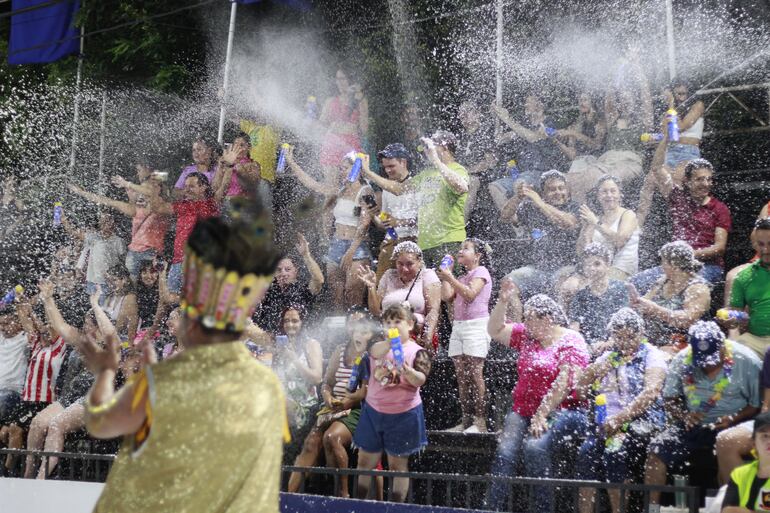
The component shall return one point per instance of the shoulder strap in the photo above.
(412, 286)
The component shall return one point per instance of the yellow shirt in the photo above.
(264, 147)
(214, 442)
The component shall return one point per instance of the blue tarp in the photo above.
(43, 35)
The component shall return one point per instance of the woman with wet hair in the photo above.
(204, 153)
(551, 358)
(469, 342)
(333, 431)
(120, 302)
(630, 376)
(298, 362)
(287, 289)
(410, 282)
(348, 249)
(676, 301)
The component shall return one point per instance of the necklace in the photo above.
(688, 378)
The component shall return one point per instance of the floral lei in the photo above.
(688, 377)
(616, 360)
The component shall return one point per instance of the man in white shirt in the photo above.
(14, 352)
(401, 211)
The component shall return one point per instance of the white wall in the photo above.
(33, 495)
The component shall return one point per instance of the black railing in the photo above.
(426, 488)
(467, 491)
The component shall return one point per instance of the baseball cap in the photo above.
(706, 339)
(394, 151)
(761, 421)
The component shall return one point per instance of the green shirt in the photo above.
(441, 214)
(752, 288)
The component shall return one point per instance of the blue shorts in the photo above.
(677, 153)
(398, 434)
(338, 248)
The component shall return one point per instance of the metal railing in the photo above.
(468, 491)
(72, 466)
(425, 488)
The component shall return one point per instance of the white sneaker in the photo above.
(473, 429)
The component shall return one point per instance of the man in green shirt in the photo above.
(442, 191)
(751, 293)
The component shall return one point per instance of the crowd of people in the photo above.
(622, 369)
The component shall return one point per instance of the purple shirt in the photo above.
(479, 307)
(192, 169)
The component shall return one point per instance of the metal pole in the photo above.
(225, 82)
(102, 134)
(499, 56)
(76, 113)
(670, 40)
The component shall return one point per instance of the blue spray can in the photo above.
(549, 131)
(280, 167)
(355, 171)
(57, 213)
(513, 169)
(649, 138)
(395, 346)
(10, 296)
(672, 124)
(353, 380)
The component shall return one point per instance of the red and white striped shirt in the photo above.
(42, 371)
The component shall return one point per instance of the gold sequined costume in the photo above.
(212, 441)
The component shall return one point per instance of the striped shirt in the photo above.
(341, 378)
(43, 369)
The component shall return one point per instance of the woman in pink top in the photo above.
(469, 342)
(148, 228)
(392, 419)
(410, 282)
(235, 169)
(346, 119)
(549, 363)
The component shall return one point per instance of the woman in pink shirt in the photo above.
(235, 170)
(469, 342)
(148, 228)
(549, 363)
(392, 419)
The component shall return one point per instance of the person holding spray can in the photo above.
(392, 419)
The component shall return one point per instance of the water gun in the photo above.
(280, 167)
(447, 262)
(512, 169)
(353, 380)
(651, 137)
(600, 410)
(11, 295)
(395, 347)
(672, 124)
(311, 108)
(549, 130)
(355, 171)
(723, 314)
(58, 210)
(390, 233)
(537, 234)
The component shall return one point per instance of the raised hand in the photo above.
(367, 276)
(587, 215)
(507, 289)
(98, 359)
(46, 288)
(302, 247)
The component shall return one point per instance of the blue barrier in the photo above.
(300, 503)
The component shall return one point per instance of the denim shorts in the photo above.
(677, 153)
(338, 248)
(675, 445)
(398, 434)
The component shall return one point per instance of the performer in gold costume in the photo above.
(204, 430)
